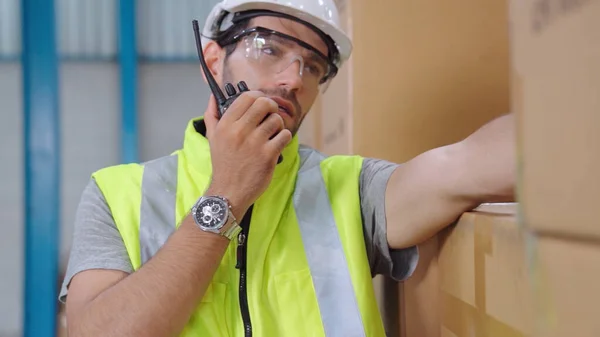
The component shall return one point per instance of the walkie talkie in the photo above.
(222, 102)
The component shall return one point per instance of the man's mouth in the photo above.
(284, 106)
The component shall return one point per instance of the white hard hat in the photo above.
(322, 14)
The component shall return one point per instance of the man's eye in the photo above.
(314, 69)
(269, 50)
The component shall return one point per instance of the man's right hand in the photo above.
(244, 146)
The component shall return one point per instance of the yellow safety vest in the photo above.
(307, 272)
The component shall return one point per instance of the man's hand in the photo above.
(244, 146)
(432, 190)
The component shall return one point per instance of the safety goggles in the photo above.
(273, 52)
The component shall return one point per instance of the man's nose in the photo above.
(291, 76)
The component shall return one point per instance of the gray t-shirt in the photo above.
(97, 243)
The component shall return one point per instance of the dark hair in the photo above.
(235, 29)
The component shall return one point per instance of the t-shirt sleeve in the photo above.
(399, 264)
(97, 243)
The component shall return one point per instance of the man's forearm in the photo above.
(432, 190)
(159, 298)
(489, 156)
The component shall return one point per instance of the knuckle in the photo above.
(252, 94)
(268, 104)
(285, 138)
(280, 122)
(276, 122)
(263, 102)
(248, 97)
(274, 106)
(266, 128)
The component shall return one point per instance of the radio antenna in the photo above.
(212, 83)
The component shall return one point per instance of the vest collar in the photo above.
(197, 151)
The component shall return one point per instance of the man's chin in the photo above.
(293, 131)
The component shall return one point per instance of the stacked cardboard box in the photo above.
(473, 280)
(491, 275)
(556, 94)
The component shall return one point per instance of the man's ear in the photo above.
(213, 58)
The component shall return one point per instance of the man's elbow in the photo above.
(403, 236)
(481, 173)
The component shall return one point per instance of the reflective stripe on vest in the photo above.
(157, 210)
(329, 271)
(324, 251)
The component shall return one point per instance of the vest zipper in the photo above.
(241, 265)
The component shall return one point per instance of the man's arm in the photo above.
(432, 190)
(159, 298)
(156, 300)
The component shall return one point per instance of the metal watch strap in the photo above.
(234, 228)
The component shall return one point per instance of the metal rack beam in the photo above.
(128, 77)
(42, 167)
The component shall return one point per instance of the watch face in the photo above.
(211, 213)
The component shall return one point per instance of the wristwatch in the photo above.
(213, 214)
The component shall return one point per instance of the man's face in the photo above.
(287, 87)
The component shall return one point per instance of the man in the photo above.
(219, 239)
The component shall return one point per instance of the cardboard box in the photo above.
(479, 284)
(334, 113)
(556, 95)
(567, 292)
(439, 72)
(419, 296)
(426, 73)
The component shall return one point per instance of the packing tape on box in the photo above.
(465, 320)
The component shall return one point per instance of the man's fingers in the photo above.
(241, 104)
(260, 109)
(272, 124)
(280, 141)
(211, 116)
